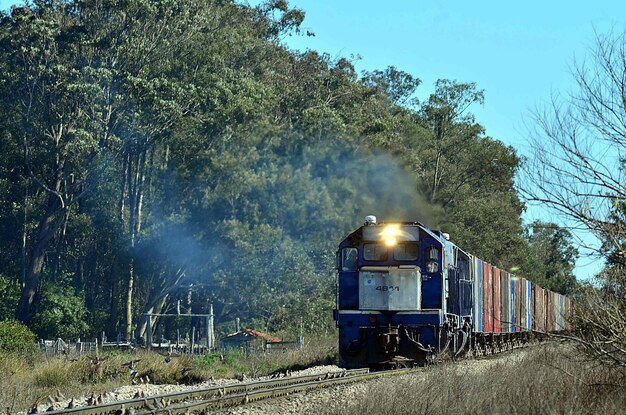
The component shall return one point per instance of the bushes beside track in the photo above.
(30, 378)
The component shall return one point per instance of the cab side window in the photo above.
(349, 259)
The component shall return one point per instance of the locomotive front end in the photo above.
(383, 316)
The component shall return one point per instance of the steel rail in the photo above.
(201, 406)
(217, 397)
(225, 391)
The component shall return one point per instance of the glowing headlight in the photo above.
(390, 241)
(391, 231)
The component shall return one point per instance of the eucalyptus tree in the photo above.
(576, 169)
(53, 107)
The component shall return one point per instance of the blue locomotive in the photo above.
(405, 294)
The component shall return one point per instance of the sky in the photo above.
(518, 52)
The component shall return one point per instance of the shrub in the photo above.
(15, 337)
(10, 295)
(61, 314)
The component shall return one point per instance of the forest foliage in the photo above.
(158, 153)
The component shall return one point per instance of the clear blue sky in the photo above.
(518, 52)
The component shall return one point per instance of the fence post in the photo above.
(149, 334)
(193, 339)
(212, 327)
(207, 323)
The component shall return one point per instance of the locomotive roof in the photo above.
(357, 235)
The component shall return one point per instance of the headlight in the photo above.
(391, 241)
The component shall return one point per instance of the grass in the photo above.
(26, 379)
(547, 379)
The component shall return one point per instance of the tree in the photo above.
(452, 127)
(162, 150)
(56, 119)
(551, 258)
(398, 85)
(577, 170)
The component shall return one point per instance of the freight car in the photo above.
(406, 294)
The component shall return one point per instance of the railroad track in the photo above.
(218, 397)
(202, 400)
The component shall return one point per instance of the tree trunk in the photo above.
(56, 262)
(136, 182)
(129, 299)
(24, 239)
(114, 301)
(48, 226)
(123, 190)
(155, 307)
(158, 298)
(131, 265)
(141, 179)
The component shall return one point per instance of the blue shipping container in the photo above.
(513, 300)
(478, 295)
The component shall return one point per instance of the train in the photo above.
(407, 295)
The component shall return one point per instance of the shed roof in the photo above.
(253, 333)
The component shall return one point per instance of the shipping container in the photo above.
(532, 325)
(546, 309)
(522, 304)
(539, 309)
(513, 312)
(561, 313)
(568, 314)
(487, 298)
(529, 308)
(555, 311)
(518, 304)
(525, 309)
(551, 311)
(496, 300)
(505, 302)
(478, 295)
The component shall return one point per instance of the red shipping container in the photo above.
(539, 313)
(496, 300)
(546, 310)
(551, 312)
(487, 299)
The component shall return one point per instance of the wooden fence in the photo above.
(59, 347)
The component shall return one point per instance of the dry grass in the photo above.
(548, 379)
(25, 380)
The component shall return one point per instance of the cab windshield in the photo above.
(380, 252)
(406, 252)
(375, 252)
